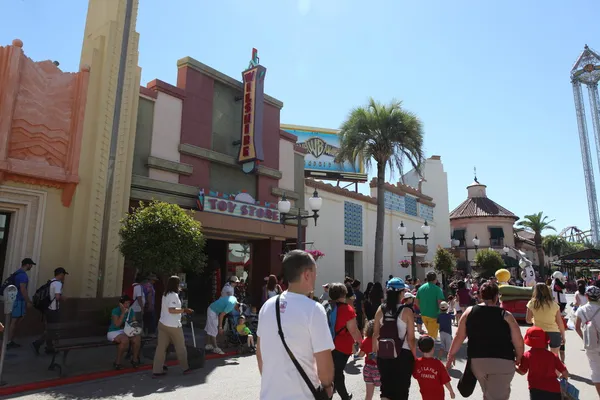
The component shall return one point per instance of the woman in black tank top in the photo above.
(495, 344)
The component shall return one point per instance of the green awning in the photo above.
(459, 234)
(496, 233)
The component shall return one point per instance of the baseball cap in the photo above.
(326, 286)
(443, 306)
(535, 337)
(27, 261)
(60, 270)
(409, 295)
(396, 284)
(234, 279)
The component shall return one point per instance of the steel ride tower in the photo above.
(586, 71)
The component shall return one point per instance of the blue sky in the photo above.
(489, 79)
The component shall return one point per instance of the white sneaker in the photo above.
(217, 350)
(208, 347)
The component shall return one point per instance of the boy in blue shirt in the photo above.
(214, 320)
(445, 322)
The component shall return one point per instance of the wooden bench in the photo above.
(69, 336)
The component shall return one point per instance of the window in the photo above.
(459, 234)
(496, 237)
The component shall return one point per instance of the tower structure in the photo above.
(586, 71)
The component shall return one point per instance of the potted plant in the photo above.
(316, 254)
(404, 263)
(424, 264)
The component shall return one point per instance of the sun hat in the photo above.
(536, 338)
(592, 292)
(444, 306)
(396, 284)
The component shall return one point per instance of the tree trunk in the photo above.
(379, 227)
(540, 251)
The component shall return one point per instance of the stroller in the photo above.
(233, 338)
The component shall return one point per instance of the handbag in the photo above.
(466, 384)
(133, 328)
(319, 393)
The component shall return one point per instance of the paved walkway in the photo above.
(23, 366)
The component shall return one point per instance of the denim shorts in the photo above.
(555, 339)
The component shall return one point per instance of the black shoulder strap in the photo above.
(292, 357)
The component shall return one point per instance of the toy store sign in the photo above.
(238, 209)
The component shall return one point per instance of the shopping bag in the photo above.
(569, 392)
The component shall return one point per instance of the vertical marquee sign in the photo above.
(251, 150)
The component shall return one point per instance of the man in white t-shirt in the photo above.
(306, 332)
(139, 300)
(52, 314)
(229, 288)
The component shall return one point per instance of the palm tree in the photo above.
(554, 245)
(537, 223)
(388, 135)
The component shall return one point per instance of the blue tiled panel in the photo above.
(393, 201)
(353, 224)
(426, 212)
(410, 205)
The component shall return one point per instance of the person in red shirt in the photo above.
(370, 370)
(542, 365)
(346, 334)
(430, 372)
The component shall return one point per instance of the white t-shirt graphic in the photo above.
(304, 325)
(529, 276)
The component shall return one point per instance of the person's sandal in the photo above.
(135, 363)
(117, 366)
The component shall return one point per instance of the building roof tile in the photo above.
(480, 207)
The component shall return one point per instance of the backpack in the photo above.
(591, 334)
(41, 299)
(9, 281)
(331, 309)
(389, 342)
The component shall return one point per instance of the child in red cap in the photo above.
(542, 365)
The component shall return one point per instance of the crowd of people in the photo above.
(303, 345)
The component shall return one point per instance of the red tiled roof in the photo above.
(480, 207)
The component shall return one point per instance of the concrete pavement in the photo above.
(238, 378)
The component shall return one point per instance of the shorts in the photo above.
(112, 335)
(555, 339)
(537, 394)
(19, 308)
(594, 361)
(445, 341)
(371, 375)
(212, 323)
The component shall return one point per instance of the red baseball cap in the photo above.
(536, 338)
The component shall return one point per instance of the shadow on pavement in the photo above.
(578, 378)
(136, 384)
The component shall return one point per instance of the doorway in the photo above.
(4, 231)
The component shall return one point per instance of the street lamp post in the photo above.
(426, 229)
(456, 244)
(284, 207)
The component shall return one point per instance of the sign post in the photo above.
(10, 295)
